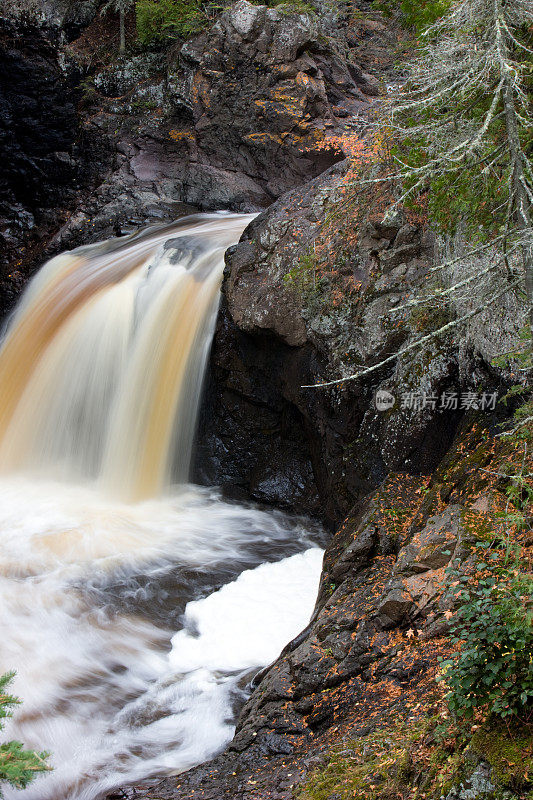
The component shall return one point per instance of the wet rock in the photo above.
(46, 160)
(369, 654)
(395, 606)
(352, 628)
(259, 86)
(398, 255)
(406, 235)
(231, 118)
(356, 554)
(269, 334)
(433, 546)
(275, 744)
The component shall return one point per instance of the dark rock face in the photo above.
(241, 114)
(372, 584)
(260, 89)
(45, 160)
(329, 447)
(251, 441)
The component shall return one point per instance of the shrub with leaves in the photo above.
(18, 766)
(493, 625)
(494, 667)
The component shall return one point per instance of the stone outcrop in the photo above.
(234, 118)
(45, 158)
(231, 119)
(262, 89)
(327, 447)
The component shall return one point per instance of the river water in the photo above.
(135, 606)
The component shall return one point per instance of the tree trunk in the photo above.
(122, 46)
(521, 205)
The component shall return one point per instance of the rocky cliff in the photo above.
(46, 154)
(247, 115)
(229, 119)
(281, 330)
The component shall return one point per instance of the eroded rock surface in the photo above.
(274, 341)
(371, 652)
(234, 118)
(230, 119)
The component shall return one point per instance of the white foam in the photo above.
(246, 623)
(113, 696)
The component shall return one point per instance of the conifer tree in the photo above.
(18, 766)
(120, 7)
(461, 129)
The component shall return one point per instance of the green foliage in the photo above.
(473, 192)
(494, 668)
(523, 419)
(303, 276)
(520, 355)
(509, 751)
(417, 14)
(164, 20)
(427, 318)
(161, 20)
(18, 767)
(492, 629)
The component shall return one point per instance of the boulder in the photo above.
(277, 336)
(259, 86)
(66, 17)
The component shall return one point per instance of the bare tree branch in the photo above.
(465, 104)
(416, 345)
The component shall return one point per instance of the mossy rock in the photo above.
(509, 751)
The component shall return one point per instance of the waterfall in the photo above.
(135, 606)
(103, 363)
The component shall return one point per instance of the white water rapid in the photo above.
(135, 607)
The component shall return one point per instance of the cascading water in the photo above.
(104, 361)
(131, 659)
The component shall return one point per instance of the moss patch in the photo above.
(411, 760)
(509, 751)
(372, 766)
(424, 759)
